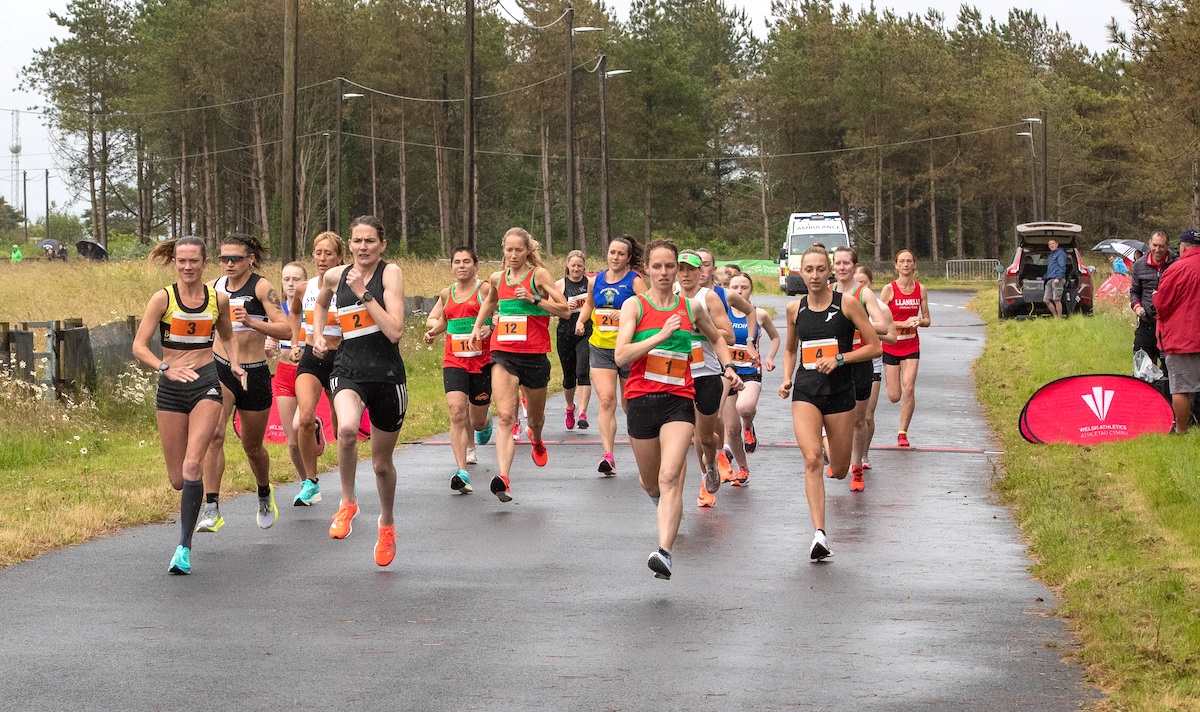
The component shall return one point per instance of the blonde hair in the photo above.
(303, 269)
(164, 252)
(339, 245)
(721, 276)
(533, 248)
(574, 253)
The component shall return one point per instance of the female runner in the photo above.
(909, 304)
(820, 331)
(466, 370)
(572, 347)
(283, 385)
(188, 405)
(257, 315)
(368, 372)
(845, 260)
(607, 292)
(864, 275)
(312, 371)
(526, 297)
(655, 342)
(740, 408)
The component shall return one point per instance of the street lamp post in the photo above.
(328, 183)
(605, 216)
(571, 186)
(337, 155)
(1032, 173)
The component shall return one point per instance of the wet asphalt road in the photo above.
(546, 603)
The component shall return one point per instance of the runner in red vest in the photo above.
(909, 304)
(466, 368)
(654, 339)
(525, 297)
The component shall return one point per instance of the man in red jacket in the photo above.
(1177, 302)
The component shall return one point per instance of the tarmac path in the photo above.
(546, 603)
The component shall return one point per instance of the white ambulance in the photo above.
(804, 230)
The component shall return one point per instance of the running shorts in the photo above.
(284, 382)
(477, 386)
(647, 414)
(828, 405)
(864, 376)
(177, 397)
(257, 394)
(531, 370)
(890, 360)
(321, 368)
(606, 359)
(746, 378)
(386, 402)
(708, 393)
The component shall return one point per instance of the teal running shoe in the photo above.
(461, 482)
(181, 562)
(268, 513)
(309, 494)
(482, 437)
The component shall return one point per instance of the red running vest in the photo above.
(904, 307)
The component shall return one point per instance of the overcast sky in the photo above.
(26, 26)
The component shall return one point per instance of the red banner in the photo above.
(1093, 409)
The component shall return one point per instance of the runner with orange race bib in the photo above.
(909, 304)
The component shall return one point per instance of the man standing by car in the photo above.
(1178, 314)
(1055, 279)
(1143, 283)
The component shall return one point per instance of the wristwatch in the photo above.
(164, 367)
(840, 360)
(367, 297)
(728, 366)
(537, 298)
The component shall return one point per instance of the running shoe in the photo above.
(749, 439)
(857, 483)
(902, 439)
(472, 458)
(461, 482)
(524, 409)
(538, 451)
(660, 563)
(742, 478)
(501, 489)
(385, 546)
(570, 418)
(866, 464)
(828, 471)
(181, 562)
(309, 494)
(321, 443)
(712, 480)
(483, 437)
(655, 500)
(608, 465)
(517, 431)
(210, 519)
(820, 546)
(343, 521)
(705, 498)
(725, 464)
(581, 421)
(268, 513)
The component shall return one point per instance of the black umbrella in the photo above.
(51, 243)
(91, 250)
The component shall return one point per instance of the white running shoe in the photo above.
(471, 458)
(820, 546)
(660, 563)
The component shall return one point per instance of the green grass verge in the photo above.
(1113, 528)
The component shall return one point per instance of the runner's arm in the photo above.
(155, 309)
(436, 322)
(585, 312)
(925, 321)
(486, 309)
(321, 309)
(716, 312)
(791, 343)
(554, 301)
(277, 326)
(706, 326)
(870, 340)
(391, 319)
(626, 351)
(768, 325)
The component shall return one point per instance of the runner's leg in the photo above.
(506, 400)
(908, 381)
(460, 426)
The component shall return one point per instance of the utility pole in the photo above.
(287, 238)
(25, 201)
(337, 162)
(328, 184)
(1045, 167)
(570, 170)
(47, 202)
(605, 237)
(468, 189)
(374, 175)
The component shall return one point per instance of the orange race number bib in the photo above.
(512, 328)
(356, 321)
(460, 346)
(607, 319)
(811, 351)
(668, 367)
(697, 354)
(740, 356)
(191, 328)
(906, 332)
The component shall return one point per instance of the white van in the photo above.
(804, 230)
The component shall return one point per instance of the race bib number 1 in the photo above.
(811, 351)
(666, 367)
(460, 346)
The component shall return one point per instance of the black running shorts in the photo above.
(647, 414)
(890, 360)
(477, 386)
(864, 376)
(746, 378)
(321, 368)
(257, 394)
(708, 393)
(531, 370)
(386, 402)
(830, 404)
(177, 397)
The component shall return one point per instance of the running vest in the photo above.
(366, 354)
(285, 344)
(460, 322)
(253, 306)
(309, 306)
(186, 329)
(904, 306)
(822, 333)
(574, 289)
(666, 369)
(857, 294)
(704, 355)
(746, 365)
(608, 298)
(522, 327)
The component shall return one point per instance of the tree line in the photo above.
(912, 126)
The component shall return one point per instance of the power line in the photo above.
(523, 23)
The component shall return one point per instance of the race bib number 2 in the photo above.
(816, 349)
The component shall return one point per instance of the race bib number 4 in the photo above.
(668, 367)
(356, 321)
(811, 351)
(512, 328)
(607, 319)
(460, 346)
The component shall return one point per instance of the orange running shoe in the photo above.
(902, 439)
(540, 456)
(742, 478)
(385, 548)
(749, 439)
(341, 527)
(517, 431)
(725, 464)
(706, 498)
(857, 483)
(501, 489)
(829, 472)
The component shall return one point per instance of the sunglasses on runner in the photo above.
(232, 259)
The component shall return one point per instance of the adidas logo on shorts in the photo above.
(213, 392)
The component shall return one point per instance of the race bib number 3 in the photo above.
(811, 351)
(460, 346)
(190, 328)
(356, 321)
(666, 367)
(608, 319)
(512, 328)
